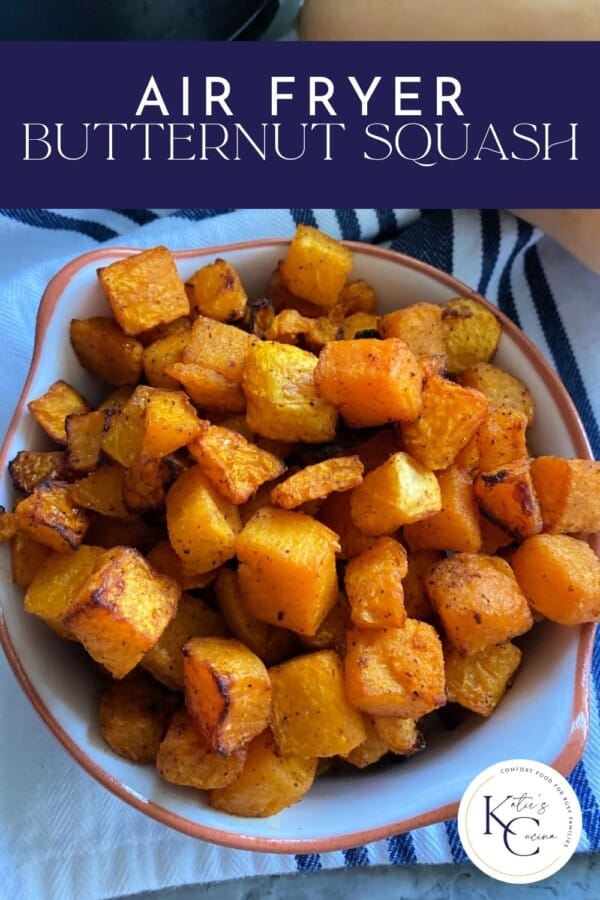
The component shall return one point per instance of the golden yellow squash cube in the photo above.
(52, 408)
(134, 714)
(183, 757)
(106, 351)
(216, 290)
(478, 682)
(373, 582)
(50, 516)
(315, 267)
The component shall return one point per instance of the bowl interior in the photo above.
(535, 721)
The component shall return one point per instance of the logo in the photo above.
(519, 821)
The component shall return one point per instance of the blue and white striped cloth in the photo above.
(63, 836)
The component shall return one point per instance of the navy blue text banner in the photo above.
(261, 124)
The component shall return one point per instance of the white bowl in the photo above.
(544, 717)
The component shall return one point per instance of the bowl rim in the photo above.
(577, 736)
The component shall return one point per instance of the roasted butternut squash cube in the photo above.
(357, 296)
(183, 757)
(500, 387)
(335, 513)
(235, 466)
(373, 582)
(194, 618)
(315, 266)
(377, 449)
(287, 569)
(479, 682)
(395, 671)
(372, 749)
(102, 491)
(216, 290)
(331, 633)
(84, 440)
(560, 576)
(416, 601)
(9, 525)
(122, 610)
(280, 297)
(106, 351)
(493, 538)
(134, 715)
(270, 643)
(166, 350)
(450, 417)
(311, 715)
(269, 782)
(170, 422)
(144, 290)
(51, 517)
(220, 347)
(401, 736)
(146, 482)
(108, 532)
(209, 390)
(419, 326)
(57, 582)
(501, 438)
(359, 325)
(341, 473)
(202, 524)
(456, 525)
(507, 497)
(52, 408)
(478, 600)
(370, 381)
(163, 558)
(124, 430)
(227, 692)
(117, 398)
(290, 327)
(472, 333)
(398, 492)
(29, 467)
(26, 558)
(568, 491)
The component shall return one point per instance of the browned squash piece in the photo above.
(359, 324)
(315, 267)
(501, 438)
(9, 525)
(270, 643)
(122, 610)
(102, 491)
(170, 422)
(202, 524)
(419, 326)
(416, 601)
(117, 398)
(397, 493)
(106, 351)
(287, 569)
(194, 618)
(370, 381)
(26, 557)
(372, 748)
(493, 538)
(144, 290)
(290, 327)
(29, 467)
(146, 482)
(506, 496)
(377, 449)
(227, 692)
(373, 582)
(451, 415)
(134, 715)
(395, 671)
(279, 297)
(124, 429)
(331, 633)
(335, 512)
(84, 440)
(568, 491)
(216, 290)
(52, 408)
(357, 296)
(269, 782)
(560, 576)
(281, 398)
(478, 600)
(401, 736)
(235, 466)
(311, 715)
(57, 582)
(219, 347)
(501, 388)
(456, 525)
(479, 682)
(108, 532)
(164, 351)
(163, 558)
(51, 517)
(207, 388)
(472, 333)
(183, 757)
(341, 473)
(468, 457)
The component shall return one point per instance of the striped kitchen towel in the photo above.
(61, 834)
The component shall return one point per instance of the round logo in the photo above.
(519, 821)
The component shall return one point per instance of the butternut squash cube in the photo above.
(144, 290)
(359, 325)
(269, 782)
(501, 388)
(52, 408)
(227, 692)
(84, 440)
(402, 736)
(163, 558)
(146, 482)
(331, 633)
(472, 333)
(341, 473)
(506, 496)
(26, 558)
(419, 326)
(9, 525)
(456, 525)
(106, 351)
(373, 582)
(124, 430)
(287, 569)
(416, 601)
(372, 748)
(202, 524)
(568, 491)
(208, 389)
(220, 347)
(450, 417)
(29, 467)
(501, 438)
(560, 576)
(395, 671)
(122, 610)
(357, 296)
(370, 381)
(397, 493)
(134, 715)
(216, 290)
(164, 351)
(479, 682)
(102, 491)
(478, 600)
(282, 401)
(170, 422)
(183, 757)
(315, 267)
(50, 516)
(335, 513)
